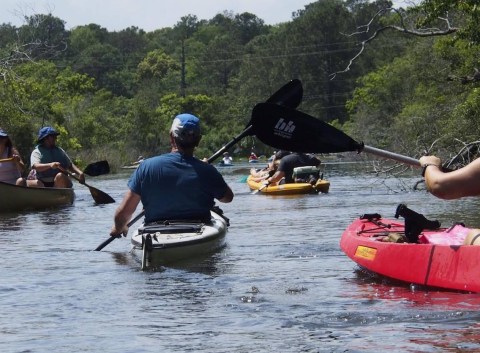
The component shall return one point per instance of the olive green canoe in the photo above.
(18, 198)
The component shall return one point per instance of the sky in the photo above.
(116, 15)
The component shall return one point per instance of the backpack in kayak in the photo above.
(308, 174)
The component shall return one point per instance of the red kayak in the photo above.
(415, 251)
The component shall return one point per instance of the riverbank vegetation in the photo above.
(400, 79)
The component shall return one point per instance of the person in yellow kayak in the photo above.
(48, 160)
(456, 184)
(284, 172)
(260, 175)
(175, 185)
(11, 163)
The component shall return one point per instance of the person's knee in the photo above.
(35, 183)
(62, 181)
(473, 237)
(21, 182)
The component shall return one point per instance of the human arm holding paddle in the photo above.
(123, 213)
(454, 184)
(289, 163)
(16, 159)
(11, 163)
(51, 163)
(174, 185)
(289, 95)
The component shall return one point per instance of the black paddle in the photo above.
(97, 168)
(99, 196)
(113, 237)
(290, 94)
(254, 192)
(289, 129)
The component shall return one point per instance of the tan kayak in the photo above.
(18, 198)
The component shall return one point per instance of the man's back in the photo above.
(174, 186)
(294, 160)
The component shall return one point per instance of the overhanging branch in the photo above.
(402, 27)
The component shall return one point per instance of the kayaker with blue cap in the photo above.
(11, 163)
(47, 159)
(175, 185)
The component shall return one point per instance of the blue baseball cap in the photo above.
(3, 133)
(46, 131)
(186, 125)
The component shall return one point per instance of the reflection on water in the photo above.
(376, 287)
(281, 283)
(202, 264)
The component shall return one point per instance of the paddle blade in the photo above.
(97, 168)
(289, 95)
(288, 129)
(99, 196)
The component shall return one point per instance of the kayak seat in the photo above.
(172, 227)
(453, 236)
(415, 223)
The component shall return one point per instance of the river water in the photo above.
(281, 284)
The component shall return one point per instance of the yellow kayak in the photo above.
(290, 189)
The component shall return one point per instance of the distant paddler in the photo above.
(226, 160)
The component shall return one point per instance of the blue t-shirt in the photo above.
(173, 186)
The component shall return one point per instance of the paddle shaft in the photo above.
(74, 177)
(113, 237)
(6, 160)
(289, 95)
(99, 196)
(230, 144)
(254, 192)
(398, 157)
(390, 155)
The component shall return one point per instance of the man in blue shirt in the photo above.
(175, 185)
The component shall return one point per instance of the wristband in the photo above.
(425, 168)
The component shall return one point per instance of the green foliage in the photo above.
(467, 13)
(156, 65)
(113, 95)
(465, 120)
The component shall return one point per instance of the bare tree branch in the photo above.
(466, 79)
(402, 27)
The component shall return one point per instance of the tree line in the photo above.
(113, 95)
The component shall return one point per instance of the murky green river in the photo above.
(281, 284)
